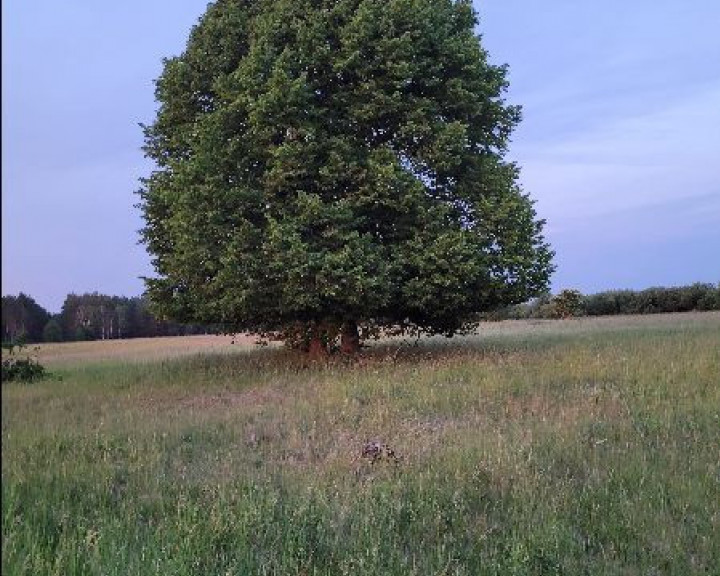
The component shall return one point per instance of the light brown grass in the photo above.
(139, 349)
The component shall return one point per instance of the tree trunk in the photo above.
(317, 349)
(350, 338)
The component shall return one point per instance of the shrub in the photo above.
(567, 303)
(20, 367)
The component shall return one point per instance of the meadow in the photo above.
(583, 446)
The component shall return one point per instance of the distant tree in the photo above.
(325, 166)
(13, 319)
(540, 307)
(95, 316)
(73, 316)
(710, 298)
(52, 332)
(82, 334)
(145, 323)
(654, 300)
(126, 329)
(22, 319)
(568, 303)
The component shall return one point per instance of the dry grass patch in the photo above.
(139, 349)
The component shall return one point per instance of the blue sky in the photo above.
(619, 145)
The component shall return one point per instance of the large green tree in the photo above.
(328, 164)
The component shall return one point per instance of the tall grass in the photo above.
(586, 447)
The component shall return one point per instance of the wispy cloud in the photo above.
(630, 161)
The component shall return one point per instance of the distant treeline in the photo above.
(100, 317)
(87, 317)
(615, 302)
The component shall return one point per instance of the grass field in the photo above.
(587, 446)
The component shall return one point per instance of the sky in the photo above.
(619, 144)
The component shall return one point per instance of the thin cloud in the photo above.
(629, 162)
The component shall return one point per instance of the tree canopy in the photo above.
(23, 319)
(328, 164)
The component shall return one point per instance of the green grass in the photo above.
(574, 447)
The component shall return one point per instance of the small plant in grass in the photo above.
(19, 366)
(376, 451)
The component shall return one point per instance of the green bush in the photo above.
(567, 304)
(654, 300)
(20, 367)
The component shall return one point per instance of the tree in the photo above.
(567, 303)
(328, 165)
(124, 315)
(23, 319)
(52, 332)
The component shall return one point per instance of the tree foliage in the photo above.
(23, 319)
(568, 303)
(322, 164)
(52, 332)
(97, 316)
(654, 300)
(698, 296)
